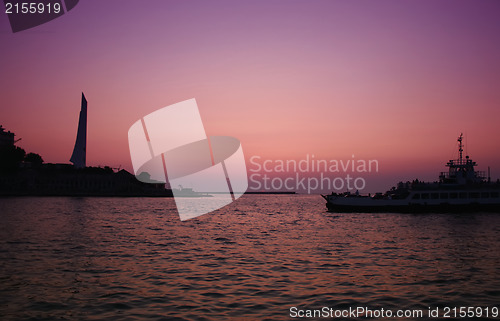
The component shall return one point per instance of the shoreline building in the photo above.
(6, 137)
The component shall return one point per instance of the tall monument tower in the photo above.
(79, 157)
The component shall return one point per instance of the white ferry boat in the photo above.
(460, 189)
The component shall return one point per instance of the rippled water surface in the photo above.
(133, 259)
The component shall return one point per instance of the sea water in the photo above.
(263, 257)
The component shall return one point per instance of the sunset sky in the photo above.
(395, 81)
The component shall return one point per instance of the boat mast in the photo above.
(460, 147)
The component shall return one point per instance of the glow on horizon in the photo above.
(393, 81)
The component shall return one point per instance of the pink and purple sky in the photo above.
(395, 81)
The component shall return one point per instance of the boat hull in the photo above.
(414, 208)
(364, 204)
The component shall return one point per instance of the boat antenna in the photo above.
(460, 146)
(466, 144)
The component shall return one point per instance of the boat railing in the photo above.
(446, 175)
(481, 174)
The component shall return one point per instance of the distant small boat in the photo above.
(460, 189)
(188, 192)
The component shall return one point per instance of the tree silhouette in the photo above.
(34, 159)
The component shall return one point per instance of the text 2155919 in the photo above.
(32, 7)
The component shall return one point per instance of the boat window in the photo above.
(494, 194)
(443, 196)
(474, 195)
(434, 196)
(462, 195)
(485, 195)
(416, 196)
(453, 195)
(425, 196)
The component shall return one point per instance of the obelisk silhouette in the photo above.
(79, 157)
